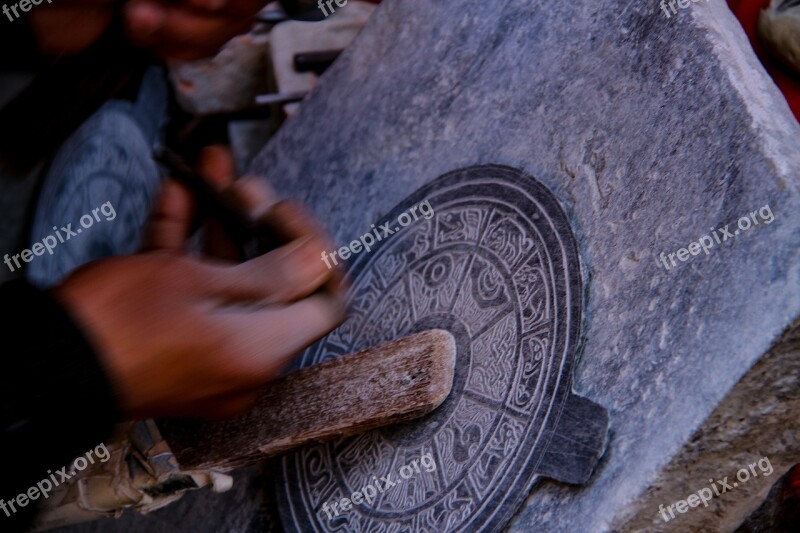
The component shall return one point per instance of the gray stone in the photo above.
(295, 37)
(650, 131)
(756, 424)
(486, 253)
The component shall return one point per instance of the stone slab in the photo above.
(650, 131)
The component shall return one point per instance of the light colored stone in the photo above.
(293, 37)
(650, 130)
(229, 81)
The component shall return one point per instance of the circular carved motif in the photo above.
(497, 266)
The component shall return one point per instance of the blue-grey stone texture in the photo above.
(651, 131)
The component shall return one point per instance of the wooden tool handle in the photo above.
(394, 382)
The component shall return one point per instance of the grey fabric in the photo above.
(107, 160)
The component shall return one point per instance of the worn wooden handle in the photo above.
(386, 384)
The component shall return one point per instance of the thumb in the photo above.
(216, 163)
(170, 223)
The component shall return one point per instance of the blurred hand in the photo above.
(185, 336)
(181, 30)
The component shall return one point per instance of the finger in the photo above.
(253, 196)
(216, 162)
(291, 220)
(171, 221)
(217, 165)
(273, 336)
(249, 197)
(286, 274)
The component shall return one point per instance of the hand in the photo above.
(185, 336)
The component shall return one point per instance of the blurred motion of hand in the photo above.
(179, 30)
(182, 335)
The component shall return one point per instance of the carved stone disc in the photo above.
(497, 266)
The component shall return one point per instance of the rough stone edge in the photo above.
(759, 418)
(774, 123)
(772, 118)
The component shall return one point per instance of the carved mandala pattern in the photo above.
(497, 267)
